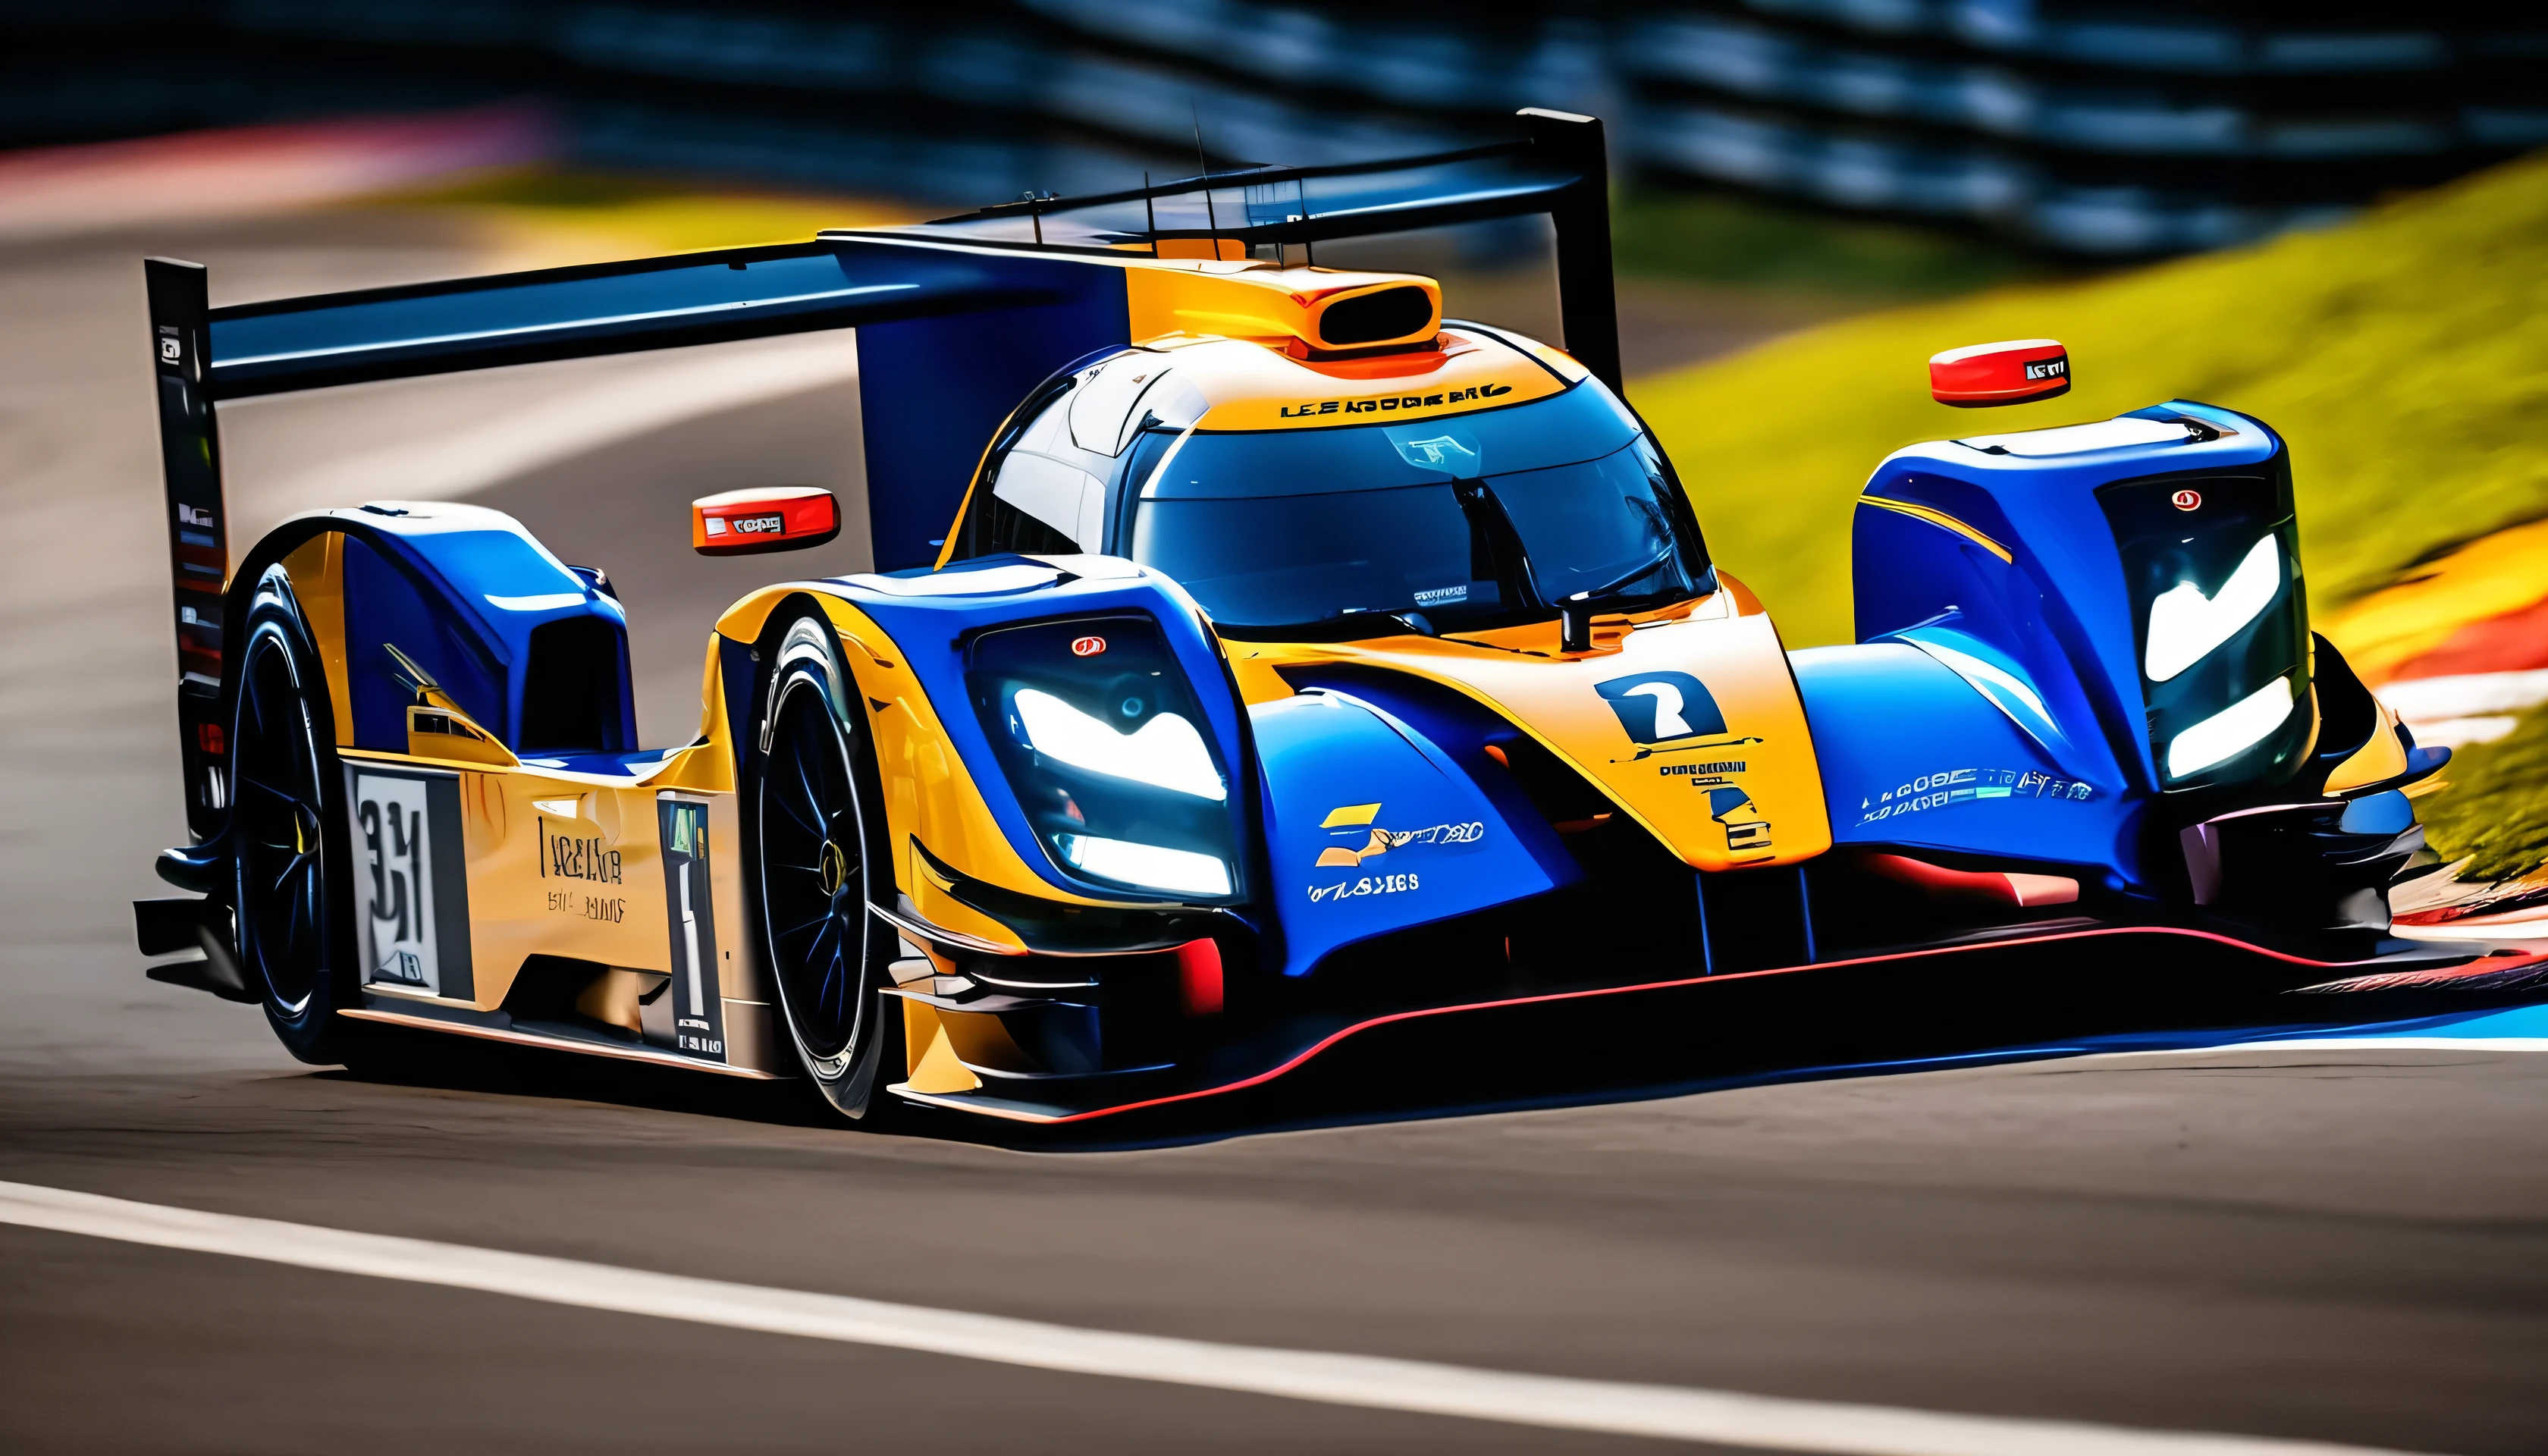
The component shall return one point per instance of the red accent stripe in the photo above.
(1332, 1038)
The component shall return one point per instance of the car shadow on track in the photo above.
(1510, 1058)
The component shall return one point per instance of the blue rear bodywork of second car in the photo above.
(1997, 706)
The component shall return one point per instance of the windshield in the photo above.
(1444, 525)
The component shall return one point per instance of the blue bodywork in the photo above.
(1428, 844)
(1998, 706)
(931, 614)
(461, 591)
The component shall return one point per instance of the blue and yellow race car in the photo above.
(1257, 656)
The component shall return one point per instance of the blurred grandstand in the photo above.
(2072, 125)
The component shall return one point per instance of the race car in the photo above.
(1254, 656)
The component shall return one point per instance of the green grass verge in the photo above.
(2402, 354)
(2493, 810)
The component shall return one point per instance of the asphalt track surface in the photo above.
(2340, 1243)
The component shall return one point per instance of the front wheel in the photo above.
(819, 858)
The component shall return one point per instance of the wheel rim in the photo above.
(278, 834)
(813, 887)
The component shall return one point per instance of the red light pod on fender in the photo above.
(773, 518)
(2013, 372)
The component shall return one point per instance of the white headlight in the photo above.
(1167, 751)
(2185, 624)
(1180, 870)
(2233, 730)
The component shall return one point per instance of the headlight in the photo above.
(1150, 865)
(2214, 591)
(1166, 752)
(2186, 623)
(2231, 731)
(1100, 737)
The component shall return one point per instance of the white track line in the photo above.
(1672, 1412)
(2390, 1044)
(2345, 1044)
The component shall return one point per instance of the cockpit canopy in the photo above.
(1443, 523)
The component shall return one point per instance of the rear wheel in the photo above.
(819, 858)
(285, 791)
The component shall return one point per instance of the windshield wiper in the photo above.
(1611, 587)
(1486, 515)
(1574, 613)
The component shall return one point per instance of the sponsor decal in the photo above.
(1949, 786)
(2186, 500)
(574, 857)
(1369, 885)
(1395, 403)
(608, 910)
(1361, 839)
(192, 515)
(1713, 767)
(772, 524)
(1443, 596)
(1747, 830)
(569, 857)
(1662, 708)
(409, 882)
(1087, 646)
(699, 1006)
(1382, 841)
(170, 351)
(1668, 712)
(2053, 367)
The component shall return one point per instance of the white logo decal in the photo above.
(1668, 723)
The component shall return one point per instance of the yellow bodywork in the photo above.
(1724, 639)
(1246, 336)
(560, 863)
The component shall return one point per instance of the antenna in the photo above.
(1203, 162)
(1309, 247)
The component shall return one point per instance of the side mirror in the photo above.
(2011, 373)
(774, 519)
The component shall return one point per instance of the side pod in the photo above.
(1915, 754)
(1369, 829)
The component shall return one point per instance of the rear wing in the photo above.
(957, 321)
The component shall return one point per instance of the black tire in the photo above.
(285, 840)
(819, 858)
